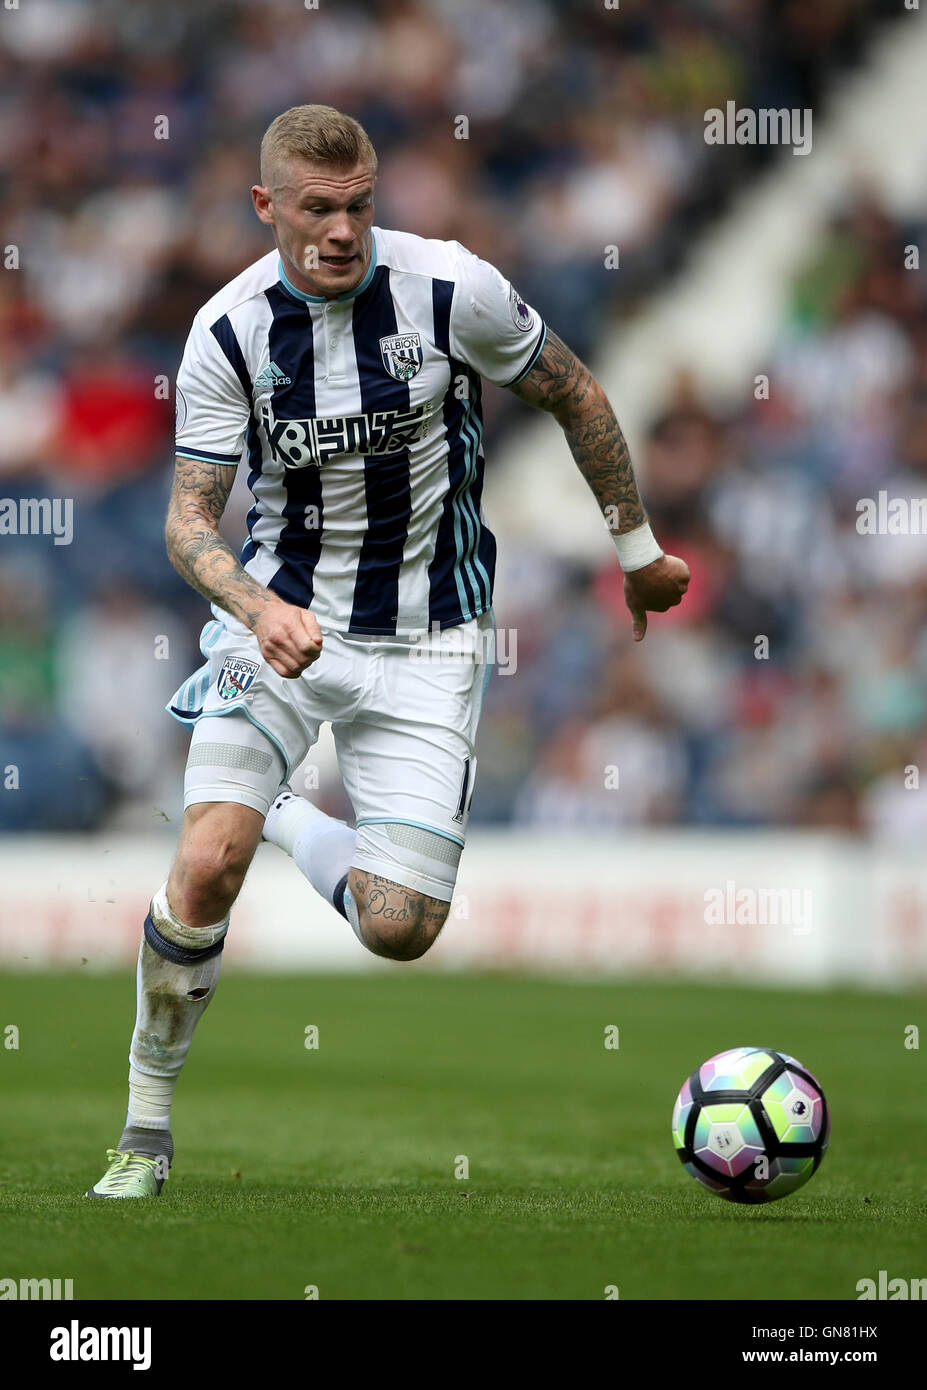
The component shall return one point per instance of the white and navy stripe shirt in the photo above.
(361, 424)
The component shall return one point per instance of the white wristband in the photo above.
(637, 548)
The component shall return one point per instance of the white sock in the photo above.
(172, 999)
(320, 846)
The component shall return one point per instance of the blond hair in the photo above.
(317, 133)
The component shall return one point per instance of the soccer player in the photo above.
(347, 365)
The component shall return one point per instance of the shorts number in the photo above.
(466, 791)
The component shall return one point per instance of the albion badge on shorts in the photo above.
(235, 677)
(402, 354)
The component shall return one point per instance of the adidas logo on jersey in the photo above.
(272, 376)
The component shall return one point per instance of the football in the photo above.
(751, 1124)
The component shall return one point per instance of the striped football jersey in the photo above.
(360, 421)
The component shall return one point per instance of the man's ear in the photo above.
(263, 201)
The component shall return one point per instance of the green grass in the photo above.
(335, 1167)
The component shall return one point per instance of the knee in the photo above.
(395, 922)
(210, 867)
(219, 864)
(403, 940)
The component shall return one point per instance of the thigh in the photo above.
(232, 760)
(409, 766)
(285, 715)
(243, 685)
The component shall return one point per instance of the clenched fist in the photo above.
(658, 586)
(289, 637)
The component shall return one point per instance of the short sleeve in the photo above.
(493, 330)
(212, 408)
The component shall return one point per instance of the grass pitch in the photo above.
(334, 1167)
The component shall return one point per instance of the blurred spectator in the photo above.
(789, 689)
(115, 675)
(48, 778)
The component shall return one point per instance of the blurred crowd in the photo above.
(791, 686)
(584, 129)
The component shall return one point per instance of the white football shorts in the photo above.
(404, 716)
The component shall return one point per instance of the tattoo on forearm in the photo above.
(559, 383)
(195, 548)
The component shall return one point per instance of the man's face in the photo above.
(321, 216)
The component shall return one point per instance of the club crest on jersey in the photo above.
(402, 354)
(235, 677)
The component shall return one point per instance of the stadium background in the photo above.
(586, 132)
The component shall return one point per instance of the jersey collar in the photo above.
(324, 298)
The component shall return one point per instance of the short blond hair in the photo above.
(317, 133)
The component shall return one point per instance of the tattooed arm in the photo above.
(560, 384)
(195, 548)
(289, 637)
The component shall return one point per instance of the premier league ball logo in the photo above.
(522, 316)
(402, 354)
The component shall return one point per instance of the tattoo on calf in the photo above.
(421, 916)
